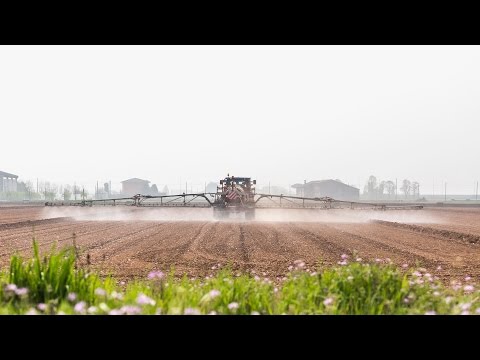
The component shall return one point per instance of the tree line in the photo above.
(387, 189)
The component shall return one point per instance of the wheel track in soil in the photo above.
(49, 242)
(38, 231)
(20, 224)
(385, 247)
(404, 245)
(175, 255)
(448, 235)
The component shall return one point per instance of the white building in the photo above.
(8, 182)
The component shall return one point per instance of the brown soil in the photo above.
(133, 248)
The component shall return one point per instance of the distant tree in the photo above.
(165, 190)
(212, 187)
(406, 187)
(67, 193)
(371, 187)
(154, 190)
(416, 189)
(381, 189)
(390, 188)
(77, 192)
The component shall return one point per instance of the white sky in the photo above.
(283, 114)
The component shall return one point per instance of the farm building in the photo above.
(331, 188)
(8, 182)
(135, 186)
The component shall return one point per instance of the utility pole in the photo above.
(433, 192)
(396, 190)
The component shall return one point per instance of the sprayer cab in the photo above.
(235, 194)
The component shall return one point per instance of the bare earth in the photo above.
(132, 242)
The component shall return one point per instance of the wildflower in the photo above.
(343, 262)
(100, 292)
(21, 292)
(116, 296)
(431, 312)
(328, 301)
(416, 273)
(290, 267)
(388, 260)
(92, 310)
(344, 256)
(10, 288)
(104, 307)
(465, 306)
(468, 288)
(264, 273)
(406, 300)
(213, 294)
(143, 299)
(468, 278)
(80, 307)
(359, 259)
(378, 260)
(122, 283)
(254, 313)
(256, 278)
(436, 293)
(31, 311)
(448, 299)
(439, 267)
(71, 297)
(477, 310)
(130, 310)
(275, 289)
(419, 281)
(313, 273)
(350, 278)
(42, 307)
(465, 312)
(428, 275)
(405, 266)
(191, 311)
(115, 312)
(233, 306)
(156, 275)
(213, 267)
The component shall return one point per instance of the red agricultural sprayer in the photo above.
(235, 195)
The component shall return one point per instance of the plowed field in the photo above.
(132, 242)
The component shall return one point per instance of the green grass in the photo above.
(53, 285)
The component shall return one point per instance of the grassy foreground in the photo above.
(53, 285)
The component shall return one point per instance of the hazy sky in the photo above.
(283, 114)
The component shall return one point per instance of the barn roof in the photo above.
(135, 180)
(5, 174)
(321, 182)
